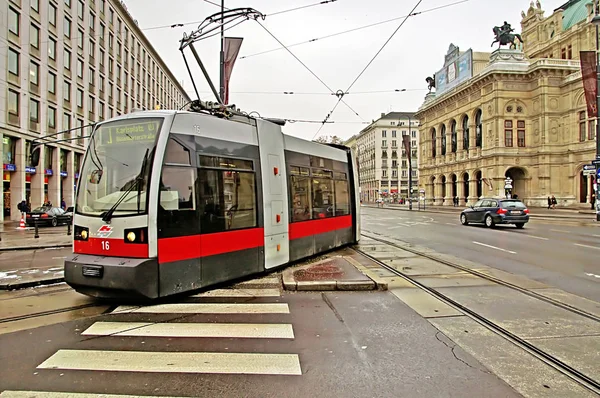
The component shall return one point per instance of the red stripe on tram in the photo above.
(315, 227)
(115, 247)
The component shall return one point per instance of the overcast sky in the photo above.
(416, 51)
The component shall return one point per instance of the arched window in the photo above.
(453, 137)
(443, 139)
(478, 129)
(465, 126)
(433, 142)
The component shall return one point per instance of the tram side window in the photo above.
(322, 194)
(342, 195)
(177, 214)
(300, 193)
(177, 153)
(227, 200)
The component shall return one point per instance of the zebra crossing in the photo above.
(223, 303)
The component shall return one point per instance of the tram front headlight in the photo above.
(136, 235)
(131, 236)
(81, 233)
(84, 234)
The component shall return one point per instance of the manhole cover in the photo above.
(319, 272)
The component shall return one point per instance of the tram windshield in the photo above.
(115, 172)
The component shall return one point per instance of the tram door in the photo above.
(274, 179)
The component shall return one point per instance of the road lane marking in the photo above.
(560, 230)
(240, 293)
(175, 362)
(536, 237)
(594, 275)
(206, 308)
(450, 223)
(494, 247)
(200, 330)
(588, 246)
(596, 236)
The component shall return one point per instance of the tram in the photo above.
(175, 201)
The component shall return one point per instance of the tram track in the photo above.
(49, 312)
(549, 359)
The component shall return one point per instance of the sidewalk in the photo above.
(14, 238)
(541, 212)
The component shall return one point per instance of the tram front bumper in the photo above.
(112, 277)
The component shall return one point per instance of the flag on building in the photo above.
(588, 77)
(231, 49)
(406, 142)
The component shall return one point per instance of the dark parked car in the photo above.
(48, 216)
(491, 211)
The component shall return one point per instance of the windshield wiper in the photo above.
(137, 182)
(142, 174)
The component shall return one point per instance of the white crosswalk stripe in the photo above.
(190, 361)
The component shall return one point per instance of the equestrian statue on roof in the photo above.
(504, 36)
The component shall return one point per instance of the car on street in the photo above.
(46, 215)
(493, 211)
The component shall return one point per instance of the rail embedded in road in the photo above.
(524, 333)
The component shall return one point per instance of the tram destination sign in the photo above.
(131, 132)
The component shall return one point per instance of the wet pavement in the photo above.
(337, 344)
(15, 238)
(25, 268)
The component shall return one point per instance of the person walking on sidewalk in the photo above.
(554, 203)
(549, 202)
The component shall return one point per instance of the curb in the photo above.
(15, 248)
(577, 217)
(26, 284)
(272, 282)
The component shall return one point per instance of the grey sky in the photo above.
(416, 51)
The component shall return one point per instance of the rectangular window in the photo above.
(80, 9)
(92, 21)
(383, 134)
(34, 110)
(342, 195)
(66, 122)
(79, 98)
(13, 62)
(51, 83)
(13, 21)
(394, 143)
(91, 76)
(67, 59)
(80, 38)
(521, 133)
(384, 143)
(67, 28)
(67, 91)
(79, 68)
(508, 133)
(570, 52)
(52, 14)
(34, 71)
(582, 126)
(301, 208)
(13, 102)
(92, 48)
(227, 198)
(51, 117)
(322, 194)
(34, 36)
(101, 111)
(35, 5)
(591, 129)
(52, 49)
(68, 3)
(393, 133)
(111, 15)
(91, 104)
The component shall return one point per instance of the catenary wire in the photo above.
(307, 68)
(354, 29)
(412, 13)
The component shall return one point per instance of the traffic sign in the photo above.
(587, 167)
(596, 162)
(598, 174)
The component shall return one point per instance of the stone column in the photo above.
(472, 190)
(448, 198)
(460, 191)
(437, 189)
(69, 180)
(17, 180)
(54, 179)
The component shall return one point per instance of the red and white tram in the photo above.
(174, 201)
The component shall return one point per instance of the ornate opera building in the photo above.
(513, 122)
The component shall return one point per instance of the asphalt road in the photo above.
(302, 344)
(561, 254)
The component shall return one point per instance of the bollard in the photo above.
(37, 235)
(69, 229)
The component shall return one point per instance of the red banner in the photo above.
(231, 48)
(588, 77)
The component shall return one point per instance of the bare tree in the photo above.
(330, 140)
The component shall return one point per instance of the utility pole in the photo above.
(222, 56)
(409, 155)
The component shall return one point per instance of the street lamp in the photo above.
(596, 22)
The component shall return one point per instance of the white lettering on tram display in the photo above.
(139, 132)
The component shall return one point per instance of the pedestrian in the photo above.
(554, 203)
(63, 205)
(549, 202)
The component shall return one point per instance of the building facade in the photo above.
(68, 63)
(383, 162)
(513, 122)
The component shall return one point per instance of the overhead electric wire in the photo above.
(307, 68)
(309, 93)
(283, 11)
(354, 29)
(412, 13)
